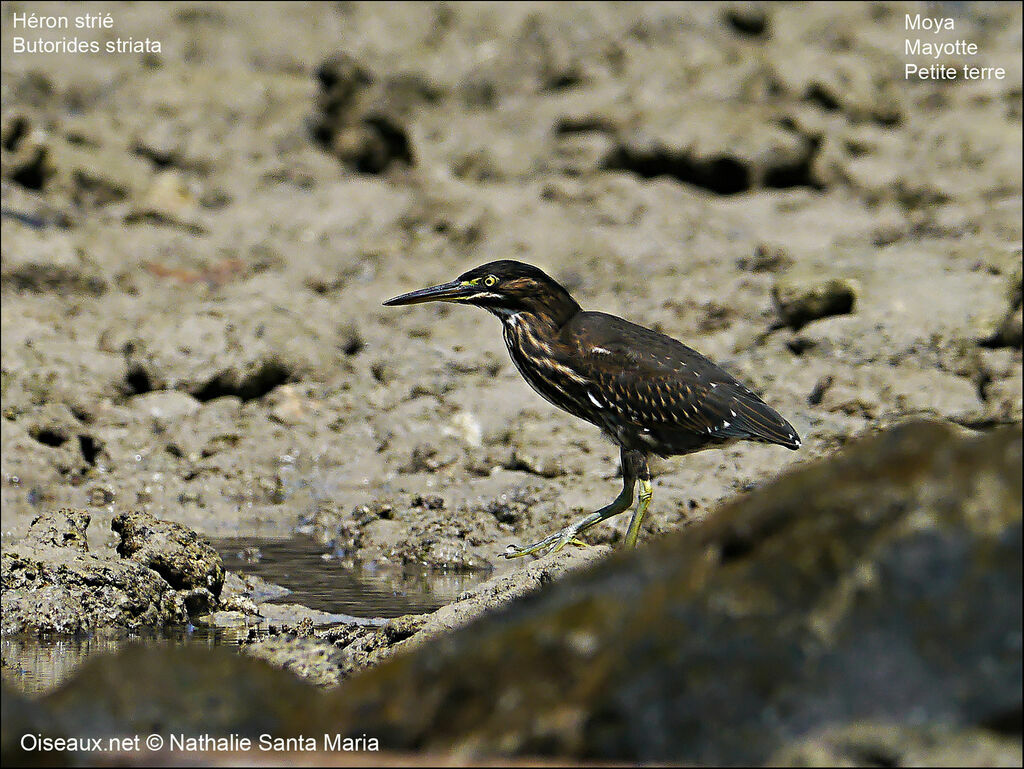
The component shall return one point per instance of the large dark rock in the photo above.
(883, 584)
(188, 690)
(867, 606)
(23, 727)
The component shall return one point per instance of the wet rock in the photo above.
(802, 299)
(357, 647)
(246, 589)
(882, 584)
(208, 432)
(337, 653)
(360, 646)
(51, 583)
(235, 597)
(221, 348)
(494, 593)
(430, 502)
(223, 355)
(514, 506)
(315, 661)
(56, 430)
(910, 190)
(49, 365)
(870, 161)
(51, 590)
(175, 552)
(248, 600)
(166, 407)
(290, 615)
(328, 656)
(424, 533)
(880, 392)
(428, 458)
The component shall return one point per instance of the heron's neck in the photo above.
(544, 319)
(528, 337)
(535, 325)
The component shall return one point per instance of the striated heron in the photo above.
(647, 392)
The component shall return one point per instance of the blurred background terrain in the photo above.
(196, 243)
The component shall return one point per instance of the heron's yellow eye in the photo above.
(490, 280)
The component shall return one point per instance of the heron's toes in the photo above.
(568, 537)
(551, 544)
(514, 551)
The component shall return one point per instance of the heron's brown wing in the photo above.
(652, 381)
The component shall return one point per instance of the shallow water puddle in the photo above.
(362, 591)
(341, 586)
(36, 665)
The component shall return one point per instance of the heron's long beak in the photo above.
(452, 291)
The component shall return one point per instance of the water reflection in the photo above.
(337, 586)
(366, 591)
(36, 665)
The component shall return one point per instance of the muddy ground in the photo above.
(196, 244)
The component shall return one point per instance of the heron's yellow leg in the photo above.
(642, 502)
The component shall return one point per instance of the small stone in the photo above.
(528, 463)
(100, 496)
(465, 426)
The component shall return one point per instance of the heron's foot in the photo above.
(563, 537)
(550, 544)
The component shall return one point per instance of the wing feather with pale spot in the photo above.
(653, 381)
